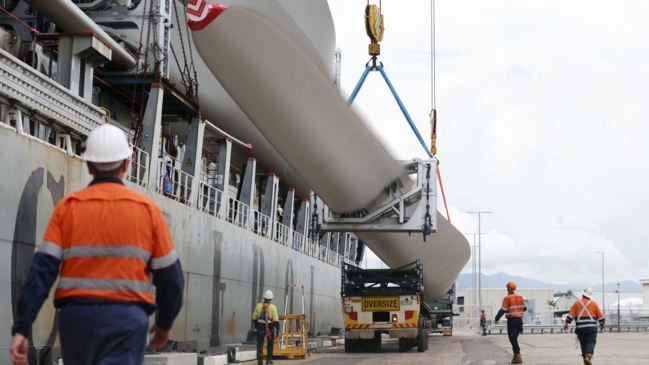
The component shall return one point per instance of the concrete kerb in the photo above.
(245, 353)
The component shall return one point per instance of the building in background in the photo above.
(547, 307)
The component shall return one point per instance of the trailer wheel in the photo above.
(403, 344)
(422, 341)
(376, 342)
(349, 345)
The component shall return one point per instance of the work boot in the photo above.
(517, 359)
(588, 359)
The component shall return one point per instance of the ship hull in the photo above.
(226, 267)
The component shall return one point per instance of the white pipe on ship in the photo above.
(66, 15)
(298, 110)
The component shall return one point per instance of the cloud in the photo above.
(541, 119)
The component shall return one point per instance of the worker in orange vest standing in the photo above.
(106, 243)
(586, 314)
(266, 322)
(513, 307)
(483, 322)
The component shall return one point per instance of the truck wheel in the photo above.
(349, 345)
(403, 344)
(376, 342)
(422, 341)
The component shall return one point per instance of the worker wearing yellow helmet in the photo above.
(513, 307)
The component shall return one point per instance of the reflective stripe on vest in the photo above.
(271, 313)
(584, 322)
(513, 310)
(109, 238)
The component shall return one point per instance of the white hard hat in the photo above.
(588, 292)
(107, 145)
(268, 295)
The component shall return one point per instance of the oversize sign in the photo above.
(380, 304)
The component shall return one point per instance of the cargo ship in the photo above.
(259, 189)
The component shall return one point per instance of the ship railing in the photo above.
(282, 234)
(297, 242)
(176, 184)
(209, 199)
(335, 259)
(33, 127)
(173, 181)
(137, 171)
(262, 224)
(329, 255)
(237, 213)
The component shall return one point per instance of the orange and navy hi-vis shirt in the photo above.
(108, 238)
(513, 306)
(586, 313)
(108, 244)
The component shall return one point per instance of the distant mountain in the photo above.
(499, 280)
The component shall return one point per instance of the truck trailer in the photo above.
(390, 301)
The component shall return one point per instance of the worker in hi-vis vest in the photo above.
(513, 307)
(105, 243)
(586, 314)
(266, 323)
(483, 322)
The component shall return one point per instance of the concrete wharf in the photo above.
(469, 348)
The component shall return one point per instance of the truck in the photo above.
(390, 301)
(441, 313)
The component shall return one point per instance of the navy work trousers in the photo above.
(103, 334)
(587, 342)
(260, 347)
(514, 328)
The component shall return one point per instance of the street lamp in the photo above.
(473, 271)
(479, 213)
(603, 305)
(618, 306)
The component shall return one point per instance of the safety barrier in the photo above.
(537, 329)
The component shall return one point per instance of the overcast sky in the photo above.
(542, 120)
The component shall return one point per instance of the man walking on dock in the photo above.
(108, 245)
(513, 307)
(586, 314)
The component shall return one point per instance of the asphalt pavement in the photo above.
(468, 348)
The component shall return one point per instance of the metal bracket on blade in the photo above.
(411, 211)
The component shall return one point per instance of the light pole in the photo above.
(603, 305)
(479, 213)
(473, 272)
(618, 306)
